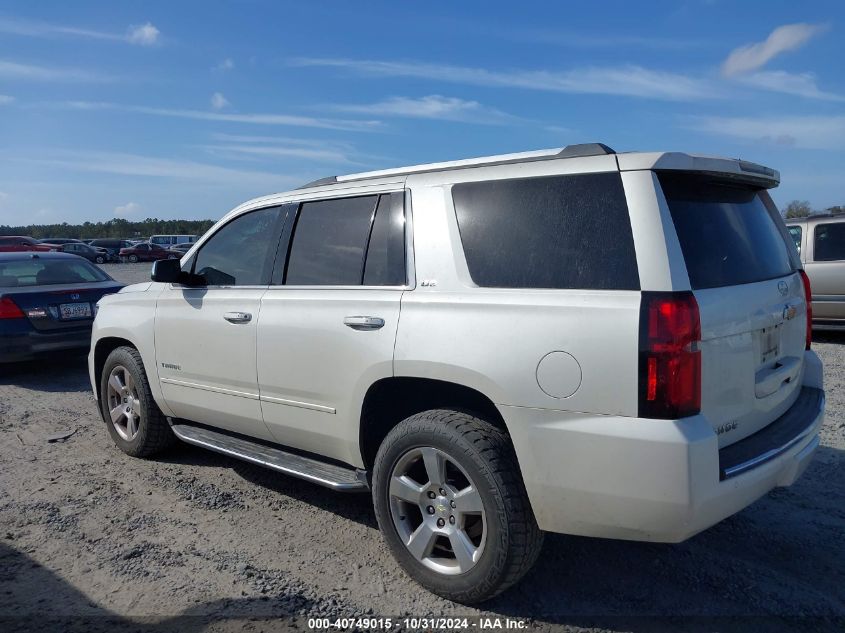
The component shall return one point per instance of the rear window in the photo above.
(549, 232)
(730, 234)
(34, 272)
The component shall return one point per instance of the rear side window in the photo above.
(730, 234)
(549, 232)
(829, 242)
(329, 242)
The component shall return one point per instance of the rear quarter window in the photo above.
(829, 242)
(730, 234)
(548, 232)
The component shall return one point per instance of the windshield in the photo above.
(730, 233)
(34, 272)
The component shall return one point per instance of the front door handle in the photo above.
(238, 317)
(364, 322)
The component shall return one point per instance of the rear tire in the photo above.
(133, 259)
(470, 536)
(100, 260)
(135, 423)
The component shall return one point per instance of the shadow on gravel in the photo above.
(776, 566)
(67, 371)
(353, 506)
(34, 598)
(827, 336)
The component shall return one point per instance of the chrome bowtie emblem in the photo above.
(783, 288)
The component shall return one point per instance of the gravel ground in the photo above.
(202, 542)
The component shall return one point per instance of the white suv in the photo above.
(575, 341)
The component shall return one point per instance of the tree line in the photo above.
(802, 208)
(117, 227)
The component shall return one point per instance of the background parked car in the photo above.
(147, 253)
(821, 242)
(111, 244)
(183, 247)
(92, 254)
(20, 244)
(58, 241)
(48, 303)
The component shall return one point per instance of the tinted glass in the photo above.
(730, 234)
(45, 272)
(829, 242)
(795, 234)
(550, 232)
(329, 242)
(239, 253)
(385, 264)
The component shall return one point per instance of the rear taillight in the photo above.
(808, 296)
(9, 309)
(670, 361)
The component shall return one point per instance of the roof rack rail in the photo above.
(585, 149)
(570, 151)
(328, 180)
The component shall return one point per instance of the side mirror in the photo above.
(167, 271)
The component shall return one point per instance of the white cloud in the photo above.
(226, 64)
(784, 38)
(17, 70)
(431, 107)
(127, 210)
(277, 151)
(144, 35)
(630, 80)
(810, 132)
(800, 84)
(257, 119)
(218, 101)
(135, 165)
(6, 99)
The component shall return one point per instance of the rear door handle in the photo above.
(364, 322)
(238, 317)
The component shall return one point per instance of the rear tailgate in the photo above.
(742, 269)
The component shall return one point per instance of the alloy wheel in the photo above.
(124, 404)
(437, 511)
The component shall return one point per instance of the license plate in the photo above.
(75, 311)
(769, 344)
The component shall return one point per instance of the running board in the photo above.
(338, 478)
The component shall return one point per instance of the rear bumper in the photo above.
(654, 480)
(32, 344)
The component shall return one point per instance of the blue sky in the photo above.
(184, 109)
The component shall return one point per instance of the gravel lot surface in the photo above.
(88, 531)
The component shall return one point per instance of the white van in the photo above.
(171, 240)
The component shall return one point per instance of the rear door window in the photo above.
(329, 242)
(548, 232)
(829, 242)
(730, 234)
(385, 265)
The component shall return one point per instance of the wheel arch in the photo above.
(102, 349)
(390, 400)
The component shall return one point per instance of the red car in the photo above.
(20, 244)
(147, 252)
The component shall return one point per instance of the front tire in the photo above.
(100, 259)
(451, 504)
(133, 259)
(136, 424)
